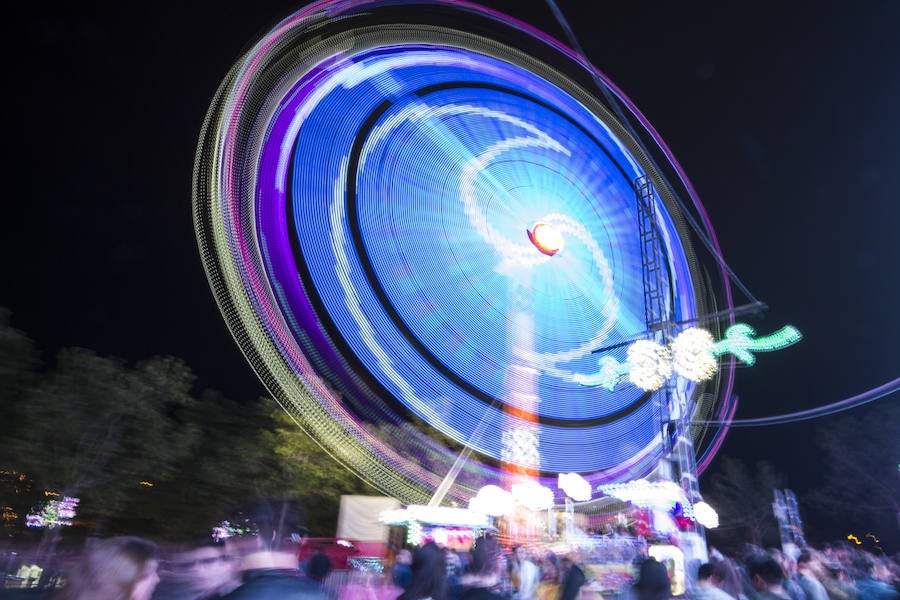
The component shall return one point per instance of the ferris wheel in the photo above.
(437, 243)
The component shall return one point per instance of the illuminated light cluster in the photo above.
(649, 364)
(55, 513)
(706, 515)
(692, 355)
(657, 495)
(520, 447)
(546, 238)
(492, 500)
(739, 340)
(575, 486)
(414, 533)
(532, 495)
(227, 529)
(435, 515)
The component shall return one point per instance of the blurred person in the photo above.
(806, 577)
(429, 573)
(766, 578)
(548, 588)
(206, 571)
(118, 568)
(269, 571)
(484, 577)
(573, 578)
(318, 566)
(834, 577)
(708, 579)
(652, 582)
(402, 569)
(872, 579)
(791, 577)
(529, 574)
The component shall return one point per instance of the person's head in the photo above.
(429, 572)
(119, 568)
(706, 573)
(764, 572)
(653, 581)
(277, 519)
(209, 569)
(485, 556)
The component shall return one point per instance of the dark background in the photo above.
(784, 115)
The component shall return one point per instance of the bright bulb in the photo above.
(692, 356)
(546, 238)
(649, 365)
(706, 515)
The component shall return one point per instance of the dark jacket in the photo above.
(277, 584)
(572, 583)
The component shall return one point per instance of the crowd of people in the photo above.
(263, 567)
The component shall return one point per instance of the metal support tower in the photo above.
(674, 408)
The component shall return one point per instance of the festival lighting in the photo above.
(55, 513)
(659, 495)
(649, 364)
(520, 447)
(706, 515)
(492, 500)
(575, 486)
(692, 356)
(546, 238)
(739, 340)
(532, 495)
(435, 515)
(227, 529)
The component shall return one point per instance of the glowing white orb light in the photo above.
(692, 356)
(493, 501)
(546, 238)
(706, 515)
(575, 486)
(532, 495)
(649, 364)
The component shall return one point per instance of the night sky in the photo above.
(784, 116)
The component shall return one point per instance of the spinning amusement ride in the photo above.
(459, 256)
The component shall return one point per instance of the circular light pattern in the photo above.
(363, 181)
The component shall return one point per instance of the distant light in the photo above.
(575, 486)
(706, 515)
(146, 483)
(546, 238)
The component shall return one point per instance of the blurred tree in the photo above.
(306, 472)
(861, 454)
(19, 360)
(743, 500)
(94, 428)
(229, 463)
